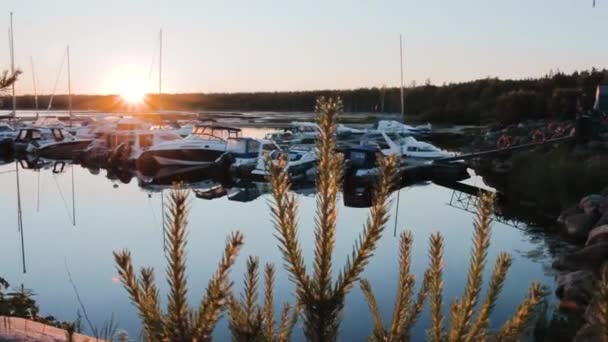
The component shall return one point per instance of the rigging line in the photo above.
(65, 203)
(73, 199)
(20, 217)
(162, 205)
(57, 81)
(153, 213)
(84, 309)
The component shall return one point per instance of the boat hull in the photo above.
(63, 150)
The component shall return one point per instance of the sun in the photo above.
(132, 91)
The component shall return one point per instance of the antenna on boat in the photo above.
(34, 84)
(73, 199)
(69, 86)
(12, 53)
(401, 87)
(402, 118)
(160, 67)
(20, 216)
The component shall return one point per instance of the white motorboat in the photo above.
(392, 126)
(49, 142)
(205, 146)
(403, 145)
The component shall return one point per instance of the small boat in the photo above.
(204, 147)
(53, 143)
(7, 138)
(402, 145)
(245, 153)
(392, 126)
(301, 164)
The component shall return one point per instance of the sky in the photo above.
(263, 45)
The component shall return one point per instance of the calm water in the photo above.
(111, 215)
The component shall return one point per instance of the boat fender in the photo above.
(538, 136)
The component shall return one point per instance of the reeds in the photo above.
(463, 325)
(321, 298)
(179, 323)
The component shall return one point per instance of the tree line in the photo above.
(555, 95)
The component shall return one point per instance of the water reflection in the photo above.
(119, 208)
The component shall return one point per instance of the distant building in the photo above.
(601, 99)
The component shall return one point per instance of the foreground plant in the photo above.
(178, 323)
(463, 325)
(251, 322)
(321, 298)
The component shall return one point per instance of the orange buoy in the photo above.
(505, 141)
(538, 136)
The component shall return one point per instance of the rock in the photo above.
(591, 203)
(599, 233)
(589, 258)
(578, 226)
(592, 315)
(589, 333)
(576, 286)
(569, 212)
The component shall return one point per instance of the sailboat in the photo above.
(53, 142)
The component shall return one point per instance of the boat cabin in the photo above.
(214, 132)
(27, 135)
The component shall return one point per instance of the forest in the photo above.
(554, 95)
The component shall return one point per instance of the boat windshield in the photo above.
(214, 133)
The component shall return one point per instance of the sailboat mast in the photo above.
(401, 68)
(160, 67)
(12, 52)
(34, 84)
(69, 87)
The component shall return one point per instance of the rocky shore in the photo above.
(579, 271)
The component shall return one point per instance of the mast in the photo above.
(69, 87)
(160, 66)
(12, 52)
(401, 67)
(34, 83)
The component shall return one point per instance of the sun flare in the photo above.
(132, 91)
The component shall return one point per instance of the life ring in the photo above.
(538, 136)
(559, 131)
(505, 141)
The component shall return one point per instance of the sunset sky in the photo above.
(230, 46)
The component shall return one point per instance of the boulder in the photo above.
(576, 286)
(589, 258)
(589, 333)
(591, 203)
(578, 225)
(599, 233)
